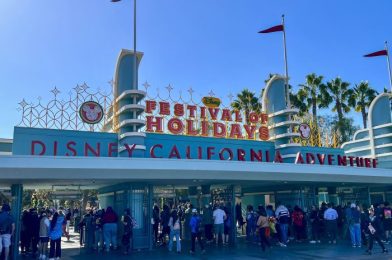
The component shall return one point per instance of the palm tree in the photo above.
(246, 101)
(361, 98)
(337, 92)
(309, 95)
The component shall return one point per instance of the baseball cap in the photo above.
(194, 210)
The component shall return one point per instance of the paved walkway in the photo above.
(72, 250)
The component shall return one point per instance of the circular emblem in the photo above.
(304, 131)
(91, 112)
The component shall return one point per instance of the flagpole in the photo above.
(389, 66)
(286, 67)
(135, 78)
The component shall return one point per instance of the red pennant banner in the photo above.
(277, 28)
(377, 53)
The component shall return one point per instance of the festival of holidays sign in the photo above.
(205, 121)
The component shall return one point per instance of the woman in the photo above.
(109, 220)
(298, 223)
(315, 222)
(155, 222)
(263, 226)
(374, 231)
(44, 228)
(174, 224)
(127, 238)
(55, 233)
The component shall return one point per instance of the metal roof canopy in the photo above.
(93, 172)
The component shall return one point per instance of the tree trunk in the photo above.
(314, 111)
(339, 110)
(364, 118)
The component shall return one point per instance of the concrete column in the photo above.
(16, 209)
(206, 195)
(192, 191)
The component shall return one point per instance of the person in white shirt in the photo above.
(330, 217)
(219, 216)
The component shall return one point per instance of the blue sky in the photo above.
(206, 44)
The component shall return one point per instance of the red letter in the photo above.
(174, 153)
(238, 117)
(342, 160)
(222, 127)
(264, 118)
(88, 147)
(240, 155)
(310, 159)
(157, 124)
(374, 163)
(152, 151)
(71, 149)
(330, 159)
(263, 133)
(226, 115)
(33, 143)
(351, 158)
(250, 131)
(367, 162)
(150, 106)
(164, 108)
(258, 155)
(55, 148)
(210, 152)
(213, 112)
(321, 158)
(130, 149)
(112, 148)
(204, 128)
(175, 126)
(278, 157)
(235, 131)
(253, 117)
(299, 158)
(178, 109)
(229, 151)
(192, 110)
(189, 128)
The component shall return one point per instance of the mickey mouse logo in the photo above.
(304, 131)
(91, 112)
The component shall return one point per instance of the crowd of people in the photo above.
(212, 224)
(327, 223)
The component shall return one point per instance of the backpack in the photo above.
(355, 216)
(251, 219)
(387, 213)
(298, 218)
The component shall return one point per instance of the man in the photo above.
(207, 220)
(283, 216)
(353, 216)
(195, 224)
(219, 216)
(330, 217)
(7, 229)
(387, 221)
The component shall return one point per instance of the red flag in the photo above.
(377, 53)
(277, 28)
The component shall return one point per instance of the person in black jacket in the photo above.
(374, 230)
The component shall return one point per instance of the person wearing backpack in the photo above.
(174, 224)
(129, 223)
(373, 224)
(165, 217)
(263, 226)
(387, 220)
(353, 216)
(7, 229)
(298, 222)
(195, 224)
(251, 224)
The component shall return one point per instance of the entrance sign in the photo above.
(192, 120)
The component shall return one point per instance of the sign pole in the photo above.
(135, 80)
(389, 66)
(285, 61)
